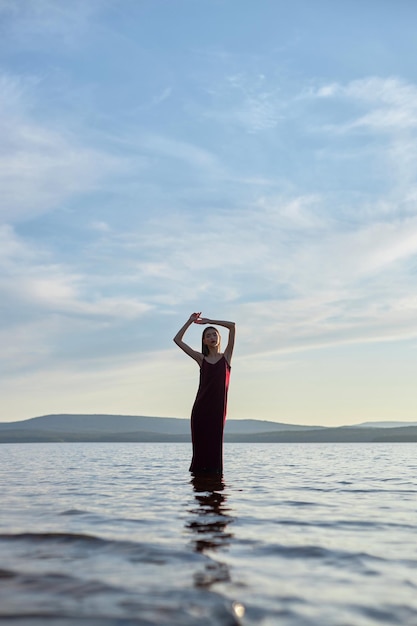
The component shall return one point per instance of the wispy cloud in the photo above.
(46, 306)
(42, 166)
(288, 254)
(253, 103)
(287, 269)
(392, 102)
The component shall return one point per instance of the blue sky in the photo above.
(255, 160)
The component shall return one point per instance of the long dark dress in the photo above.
(208, 416)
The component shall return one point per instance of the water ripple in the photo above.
(295, 535)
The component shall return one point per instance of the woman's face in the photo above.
(211, 338)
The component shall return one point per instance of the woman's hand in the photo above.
(194, 317)
(202, 320)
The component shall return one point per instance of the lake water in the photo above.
(294, 535)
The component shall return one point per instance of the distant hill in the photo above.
(384, 424)
(106, 428)
(342, 434)
(66, 423)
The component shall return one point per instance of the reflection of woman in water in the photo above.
(209, 411)
(211, 517)
(209, 526)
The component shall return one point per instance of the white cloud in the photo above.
(390, 243)
(53, 289)
(13, 249)
(43, 168)
(285, 266)
(299, 213)
(100, 226)
(48, 309)
(392, 101)
(253, 103)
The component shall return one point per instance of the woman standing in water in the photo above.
(209, 411)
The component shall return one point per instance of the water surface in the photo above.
(294, 534)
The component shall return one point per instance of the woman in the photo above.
(209, 411)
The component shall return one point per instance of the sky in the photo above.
(255, 160)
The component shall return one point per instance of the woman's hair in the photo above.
(204, 348)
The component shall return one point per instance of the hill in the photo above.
(106, 428)
(104, 423)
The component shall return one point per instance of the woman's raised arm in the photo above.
(184, 346)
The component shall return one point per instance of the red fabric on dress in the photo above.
(208, 416)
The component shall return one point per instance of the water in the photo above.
(295, 535)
